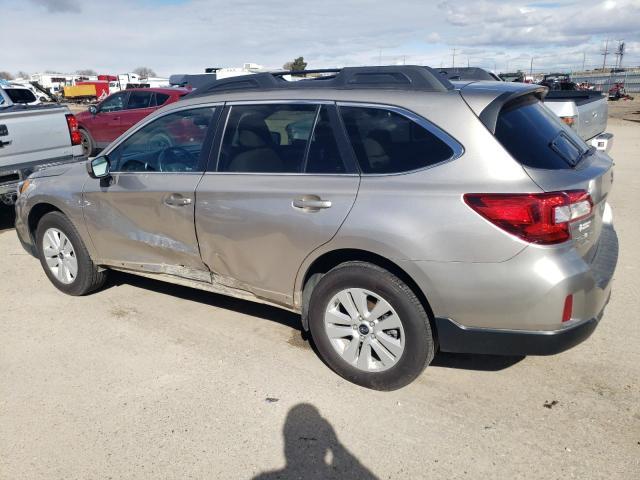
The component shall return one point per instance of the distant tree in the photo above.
(6, 76)
(295, 66)
(144, 72)
(22, 74)
(86, 72)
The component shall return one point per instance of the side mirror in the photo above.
(93, 109)
(98, 167)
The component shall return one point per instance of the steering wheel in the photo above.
(172, 157)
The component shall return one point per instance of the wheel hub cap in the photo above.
(364, 329)
(60, 256)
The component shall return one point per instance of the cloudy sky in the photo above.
(185, 36)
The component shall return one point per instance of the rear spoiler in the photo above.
(489, 116)
(486, 99)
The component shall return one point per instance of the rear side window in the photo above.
(20, 95)
(387, 142)
(324, 154)
(159, 99)
(139, 100)
(266, 138)
(536, 138)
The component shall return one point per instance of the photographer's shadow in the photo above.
(313, 451)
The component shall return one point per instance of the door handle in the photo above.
(311, 203)
(2, 144)
(177, 200)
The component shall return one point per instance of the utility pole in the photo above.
(531, 68)
(605, 53)
(467, 62)
(453, 59)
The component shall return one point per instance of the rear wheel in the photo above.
(88, 145)
(370, 327)
(65, 258)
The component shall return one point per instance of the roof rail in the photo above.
(401, 77)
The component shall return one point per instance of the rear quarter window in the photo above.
(386, 142)
(536, 138)
(20, 95)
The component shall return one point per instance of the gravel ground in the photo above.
(147, 380)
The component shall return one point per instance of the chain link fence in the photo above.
(604, 81)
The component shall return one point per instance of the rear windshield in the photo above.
(20, 95)
(536, 138)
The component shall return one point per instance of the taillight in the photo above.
(74, 133)
(568, 120)
(541, 218)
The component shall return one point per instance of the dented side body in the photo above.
(241, 235)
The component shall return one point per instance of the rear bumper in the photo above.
(459, 339)
(587, 312)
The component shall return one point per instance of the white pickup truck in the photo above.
(585, 111)
(31, 137)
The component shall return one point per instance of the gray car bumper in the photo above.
(456, 338)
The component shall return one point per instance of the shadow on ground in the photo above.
(463, 361)
(313, 451)
(7, 218)
(245, 307)
(488, 363)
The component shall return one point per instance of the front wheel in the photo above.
(65, 258)
(370, 327)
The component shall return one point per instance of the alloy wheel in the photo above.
(364, 329)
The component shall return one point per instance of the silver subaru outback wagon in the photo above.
(397, 212)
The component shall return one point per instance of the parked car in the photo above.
(106, 121)
(414, 215)
(32, 136)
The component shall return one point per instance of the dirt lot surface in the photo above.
(146, 380)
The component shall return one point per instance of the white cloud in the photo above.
(174, 36)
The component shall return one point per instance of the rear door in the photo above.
(138, 107)
(283, 183)
(142, 217)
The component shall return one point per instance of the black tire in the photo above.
(419, 346)
(88, 145)
(89, 277)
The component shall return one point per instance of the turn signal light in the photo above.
(568, 120)
(74, 133)
(540, 218)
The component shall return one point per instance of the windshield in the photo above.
(536, 138)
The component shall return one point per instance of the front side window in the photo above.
(387, 142)
(172, 143)
(113, 103)
(139, 100)
(266, 138)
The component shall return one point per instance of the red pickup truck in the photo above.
(106, 121)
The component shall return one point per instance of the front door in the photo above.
(142, 217)
(283, 185)
(105, 126)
